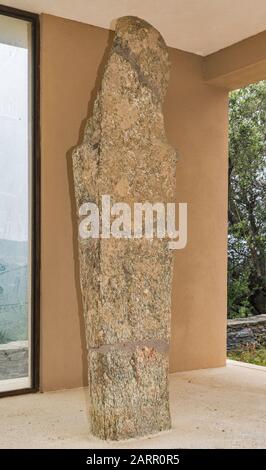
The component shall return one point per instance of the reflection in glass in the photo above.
(15, 140)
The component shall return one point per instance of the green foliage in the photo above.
(246, 211)
(251, 355)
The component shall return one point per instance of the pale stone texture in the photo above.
(126, 283)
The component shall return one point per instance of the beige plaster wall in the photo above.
(72, 57)
(238, 65)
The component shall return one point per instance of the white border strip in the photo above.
(14, 384)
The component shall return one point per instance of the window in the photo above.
(19, 200)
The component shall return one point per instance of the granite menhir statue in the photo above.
(126, 283)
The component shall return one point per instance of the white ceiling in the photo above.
(199, 26)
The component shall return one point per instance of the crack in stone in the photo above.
(161, 345)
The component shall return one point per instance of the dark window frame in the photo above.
(35, 200)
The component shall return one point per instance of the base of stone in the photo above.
(128, 393)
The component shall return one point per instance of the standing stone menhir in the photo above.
(126, 283)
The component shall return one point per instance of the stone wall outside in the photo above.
(246, 332)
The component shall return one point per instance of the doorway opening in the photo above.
(246, 338)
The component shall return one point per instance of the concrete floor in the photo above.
(212, 408)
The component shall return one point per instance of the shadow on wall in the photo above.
(73, 204)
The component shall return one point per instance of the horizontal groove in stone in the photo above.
(160, 345)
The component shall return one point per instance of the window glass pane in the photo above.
(15, 196)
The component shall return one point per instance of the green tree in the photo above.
(246, 211)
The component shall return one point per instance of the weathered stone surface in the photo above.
(129, 391)
(126, 283)
(246, 332)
